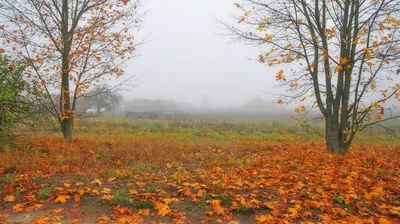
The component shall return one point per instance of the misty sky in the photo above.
(186, 57)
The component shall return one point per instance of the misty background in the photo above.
(186, 60)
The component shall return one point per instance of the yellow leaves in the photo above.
(294, 84)
(118, 163)
(133, 192)
(37, 206)
(98, 182)
(373, 85)
(57, 210)
(106, 191)
(324, 53)
(330, 33)
(162, 209)
(218, 209)
(261, 58)
(62, 199)
(241, 20)
(98, 58)
(280, 101)
(18, 207)
(108, 197)
(313, 65)
(339, 212)
(169, 201)
(264, 218)
(9, 198)
(57, 218)
(237, 5)
(343, 61)
(376, 105)
(356, 40)
(201, 193)
(368, 196)
(268, 37)
(279, 76)
(111, 179)
(144, 212)
(42, 220)
(2, 50)
(338, 68)
(300, 109)
(367, 53)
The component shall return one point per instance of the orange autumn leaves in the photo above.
(259, 179)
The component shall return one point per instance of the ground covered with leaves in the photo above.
(169, 172)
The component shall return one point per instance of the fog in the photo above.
(186, 60)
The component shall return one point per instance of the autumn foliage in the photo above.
(192, 173)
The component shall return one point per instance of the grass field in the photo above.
(138, 171)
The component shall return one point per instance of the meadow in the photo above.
(154, 171)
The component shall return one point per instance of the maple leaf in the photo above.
(144, 212)
(103, 220)
(81, 191)
(209, 213)
(169, 200)
(9, 198)
(123, 220)
(57, 210)
(62, 199)
(162, 209)
(18, 207)
(123, 211)
(106, 190)
(37, 206)
(264, 218)
(42, 220)
(57, 218)
(133, 191)
(9, 189)
(108, 197)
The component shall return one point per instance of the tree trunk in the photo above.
(66, 110)
(334, 141)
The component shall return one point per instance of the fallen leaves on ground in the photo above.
(279, 178)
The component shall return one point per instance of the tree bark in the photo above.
(66, 110)
(335, 141)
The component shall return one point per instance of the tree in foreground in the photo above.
(340, 56)
(71, 45)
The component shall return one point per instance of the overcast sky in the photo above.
(187, 59)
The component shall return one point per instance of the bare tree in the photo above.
(339, 56)
(71, 45)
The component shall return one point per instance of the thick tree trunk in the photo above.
(334, 137)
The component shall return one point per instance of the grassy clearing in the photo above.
(162, 171)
